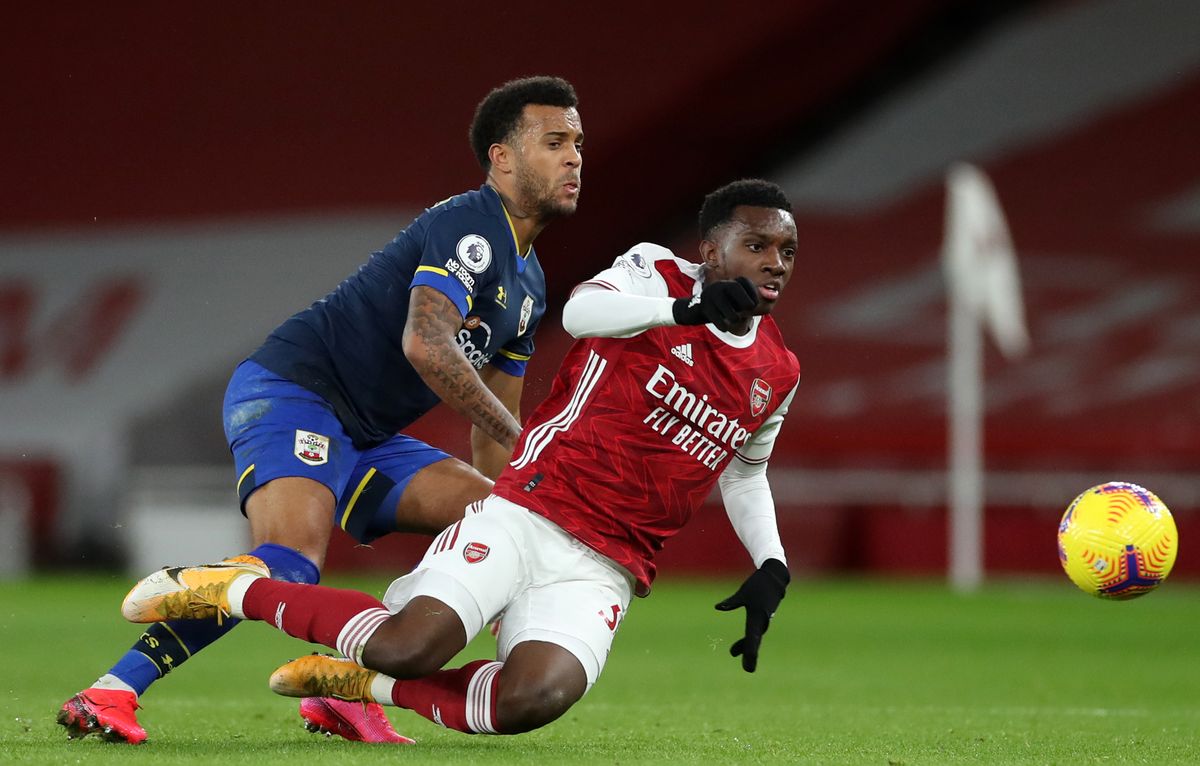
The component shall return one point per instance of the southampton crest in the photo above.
(526, 313)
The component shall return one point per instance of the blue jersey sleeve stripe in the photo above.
(434, 269)
(446, 285)
(513, 355)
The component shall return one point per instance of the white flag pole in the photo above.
(965, 451)
(983, 288)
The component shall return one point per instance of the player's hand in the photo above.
(760, 594)
(723, 304)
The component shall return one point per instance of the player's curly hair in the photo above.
(755, 192)
(499, 113)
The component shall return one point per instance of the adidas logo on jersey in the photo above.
(684, 352)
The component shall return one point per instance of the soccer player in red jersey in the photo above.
(680, 380)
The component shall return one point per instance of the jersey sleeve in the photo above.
(752, 456)
(747, 494)
(623, 300)
(460, 255)
(632, 273)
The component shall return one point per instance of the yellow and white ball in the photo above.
(1117, 541)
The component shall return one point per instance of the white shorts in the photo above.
(505, 560)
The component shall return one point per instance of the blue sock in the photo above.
(287, 564)
(167, 645)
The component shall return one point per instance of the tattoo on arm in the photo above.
(433, 323)
(487, 455)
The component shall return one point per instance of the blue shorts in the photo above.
(277, 428)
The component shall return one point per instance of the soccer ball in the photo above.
(1117, 541)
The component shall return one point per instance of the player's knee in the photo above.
(293, 512)
(437, 496)
(528, 706)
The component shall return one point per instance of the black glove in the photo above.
(722, 303)
(760, 594)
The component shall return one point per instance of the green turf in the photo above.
(851, 673)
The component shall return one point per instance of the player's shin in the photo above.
(339, 619)
(166, 645)
(463, 699)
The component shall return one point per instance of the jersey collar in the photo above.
(511, 229)
(737, 341)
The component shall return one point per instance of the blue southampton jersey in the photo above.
(347, 347)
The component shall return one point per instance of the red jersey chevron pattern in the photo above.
(632, 438)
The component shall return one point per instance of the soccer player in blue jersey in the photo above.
(445, 312)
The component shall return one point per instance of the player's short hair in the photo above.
(755, 192)
(499, 113)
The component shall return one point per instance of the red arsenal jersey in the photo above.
(636, 430)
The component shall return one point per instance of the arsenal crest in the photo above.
(760, 396)
(475, 552)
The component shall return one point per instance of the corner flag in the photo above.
(984, 289)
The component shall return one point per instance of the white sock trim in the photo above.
(354, 634)
(112, 683)
(479, 699)
(381, 689)
(237, 593)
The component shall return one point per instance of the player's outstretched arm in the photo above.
(751, 510)
(433, 322)
(597, 312)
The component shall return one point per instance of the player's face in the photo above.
(758, 243)
(549, 159)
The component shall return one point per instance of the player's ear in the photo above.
(710, 253)
(501, 157)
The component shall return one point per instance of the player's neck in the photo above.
(741, 329)
(526, 226)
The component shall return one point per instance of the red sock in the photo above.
(339, 619)
(463, 699)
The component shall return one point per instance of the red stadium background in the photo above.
(164, 116)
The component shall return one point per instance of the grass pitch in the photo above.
(851, 673)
